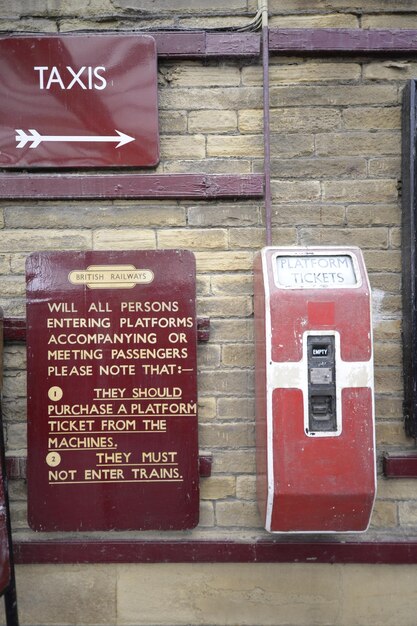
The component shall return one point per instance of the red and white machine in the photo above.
(314, 390)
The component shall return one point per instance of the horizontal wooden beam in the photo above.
(123, 186)
(14, 329)
(188, 551)
(400, 466)
(189, 44)
(342, 40)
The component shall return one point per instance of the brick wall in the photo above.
(335, 141)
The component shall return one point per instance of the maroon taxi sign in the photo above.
(78, 101)
(112, 391)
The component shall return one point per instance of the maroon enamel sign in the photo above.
(112, 391)
(78, 101)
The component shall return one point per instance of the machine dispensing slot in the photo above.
(321, 384)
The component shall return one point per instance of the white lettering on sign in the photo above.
(86, 77)
(315, 271)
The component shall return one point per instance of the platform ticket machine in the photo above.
(314, 390)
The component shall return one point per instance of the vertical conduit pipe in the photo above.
(267, 143)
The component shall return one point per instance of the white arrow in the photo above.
(32, 135)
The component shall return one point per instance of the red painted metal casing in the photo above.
(112, 391)
(71, 101)
(311, 480)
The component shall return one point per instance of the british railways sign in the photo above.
(112, 390)
(78, 101)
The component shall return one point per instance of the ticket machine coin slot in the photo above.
(321, 384)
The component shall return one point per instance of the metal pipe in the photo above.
(267, 142)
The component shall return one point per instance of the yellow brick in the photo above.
(378, 214)
(363, 237)
(235, 146)
(386, 281)
(226, 382)
(224, 306)
(212, 121)
(404, 489)
(206, 408)
(236, 408)
(390, 433)
(209, 166)
(234, 355)
(31, 240)
(224, 214)
(250, 121)
(319, 167)
(283, 236)
(218, 487)
(385, 167)
(172, 122)
(373, 118)
(230, 435)
(203, 239)
(388, 380)
(234, 461)
(231, 330)
(246, 487)
(229, 284)
(18, 515)
(333, 95)
(395, 237)
(216, 98)
(183, 147)
(387, 354)
(195, 74)
(247, 238)
(224, 261)
(17, 438)
(12, 286)
(387, 330)
(408, 20)
(291, 120)
(290, 190)
(242, 514)
(14, 384)
(408, 513)
(124, 239)
(305, 119)
(208, 356)
(290, 145)
(387, 407)
(29, 25)
(390, 70)
(203, 285)
(14, 356)
(336, 20)
(380, 261)
(5, 265)
(17, 263)
(206, 515)
(384, 515)
(359, 143)
(302, 71)
(360, 190)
